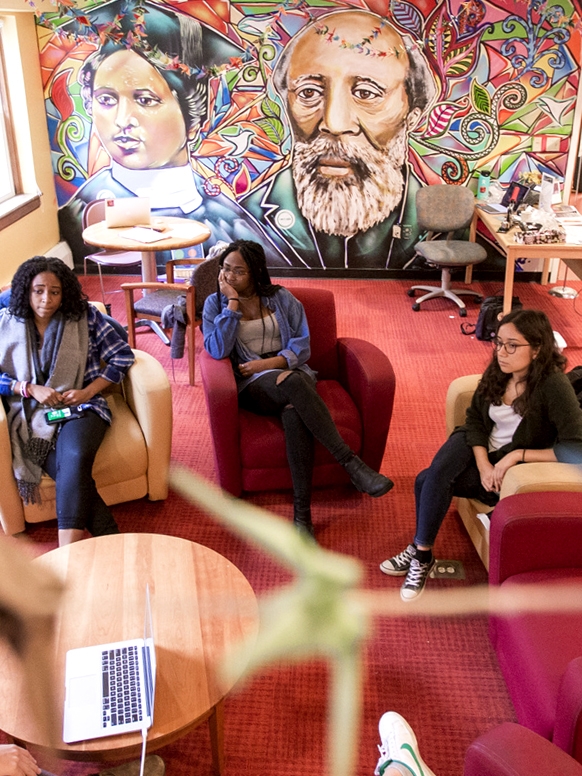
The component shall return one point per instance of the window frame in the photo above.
(19, 204)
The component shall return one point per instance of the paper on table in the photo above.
(144, 235)
(573, 234)
(189, 230)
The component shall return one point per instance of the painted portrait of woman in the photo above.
(147, 114)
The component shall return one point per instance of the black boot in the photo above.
(302, 521)
(367, 480)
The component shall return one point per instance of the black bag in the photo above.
(488, 319)
(575, 377)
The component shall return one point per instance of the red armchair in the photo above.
(512, 750)
(356, 381)
(537, 538)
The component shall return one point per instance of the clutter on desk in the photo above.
(538, 227)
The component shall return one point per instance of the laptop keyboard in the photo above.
(121, 690)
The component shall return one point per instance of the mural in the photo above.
(308, 125)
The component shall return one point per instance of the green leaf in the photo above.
(271, 108)
(273, 129)
(481, 99)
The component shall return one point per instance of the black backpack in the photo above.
(489, 315)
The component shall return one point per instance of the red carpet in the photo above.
(441, 674)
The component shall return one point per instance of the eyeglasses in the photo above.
(510, 347)
(238, 273)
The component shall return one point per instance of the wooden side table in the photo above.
(202, 605)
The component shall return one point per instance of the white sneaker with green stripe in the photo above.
(399, 747)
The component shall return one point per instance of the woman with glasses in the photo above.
(263, 329)
(523, 411)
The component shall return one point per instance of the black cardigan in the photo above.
(554, 420)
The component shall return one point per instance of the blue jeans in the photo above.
(453, 472)
(70, 464)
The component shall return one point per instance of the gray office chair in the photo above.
(445, 209)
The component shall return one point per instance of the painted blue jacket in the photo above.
(220, 327)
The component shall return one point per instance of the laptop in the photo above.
(127, 211)
(109, 688)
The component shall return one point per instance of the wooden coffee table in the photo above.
(201, 604)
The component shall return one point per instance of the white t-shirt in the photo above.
(506, 421)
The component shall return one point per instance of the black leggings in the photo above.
(304, 416)
(70, 464)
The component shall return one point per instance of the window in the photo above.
(14, 201)
(8, 175)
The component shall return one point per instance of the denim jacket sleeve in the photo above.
(292, 321)
(219, 326)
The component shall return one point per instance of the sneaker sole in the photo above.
(392, 573)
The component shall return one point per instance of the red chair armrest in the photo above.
(535, 531)
(222, 404)
(568, 724)
(512, 750)
(367, 375)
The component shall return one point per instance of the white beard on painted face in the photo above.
(345, 205)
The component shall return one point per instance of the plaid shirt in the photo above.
(105, 346)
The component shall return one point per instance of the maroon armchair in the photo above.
(512, 750)
(537, 538)
(356, 381)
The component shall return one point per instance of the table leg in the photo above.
(546, 271)
(508, 287)
(216, 724)
(149, 270)
(149, 274)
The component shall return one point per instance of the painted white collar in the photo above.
(167, 187)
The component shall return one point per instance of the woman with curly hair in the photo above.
(263, 329)
(523, 411)
(57, 351)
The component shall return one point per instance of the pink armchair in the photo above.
(512, 750)
(356, 381)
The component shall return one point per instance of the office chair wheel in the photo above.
(462, 312)
(410, 292)
(416, 307)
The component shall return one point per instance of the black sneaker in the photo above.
(398, 565)
(416, 578)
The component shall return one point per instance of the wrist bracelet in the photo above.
(523, 456)
(232, 298)
(12, 386)
(23, 391)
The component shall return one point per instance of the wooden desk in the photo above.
(514, 251)
(184, 233)
(201, 604)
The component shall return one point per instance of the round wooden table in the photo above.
(182, 233)
(201, 604)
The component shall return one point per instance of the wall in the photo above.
(38, 231)
(317, 123)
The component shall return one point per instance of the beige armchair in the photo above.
(134, 457)
(524, 478)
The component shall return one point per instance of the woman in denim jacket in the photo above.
(263, 329)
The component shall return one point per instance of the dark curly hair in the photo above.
(535, 327)
(255, 259)
(74, 301)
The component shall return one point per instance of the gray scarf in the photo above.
(60, 364)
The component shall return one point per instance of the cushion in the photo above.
(534, 650)
(262, 437)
